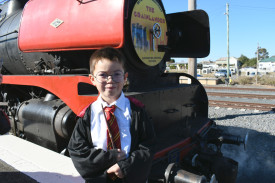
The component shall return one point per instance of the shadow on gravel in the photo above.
(257, 162)
(239, 115)
(15, 177)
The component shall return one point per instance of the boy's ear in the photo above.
(92, 79)
(126, 75)
(125, 78)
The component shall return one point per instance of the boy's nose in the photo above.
(110, 78)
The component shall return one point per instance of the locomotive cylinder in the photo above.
(46, 122)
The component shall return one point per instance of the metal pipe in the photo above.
(174, 174)
(187, 177)
(9, 33)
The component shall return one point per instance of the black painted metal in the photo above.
(181, 26)
(177, 111)
(47, 123)
(15, 61)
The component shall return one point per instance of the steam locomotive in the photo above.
(45, 48)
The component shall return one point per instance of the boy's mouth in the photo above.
(110, 87)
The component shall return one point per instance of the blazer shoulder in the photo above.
(136, 102)
(82, 113)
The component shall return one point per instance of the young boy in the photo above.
(124, 155)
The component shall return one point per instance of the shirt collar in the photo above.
(120, 103)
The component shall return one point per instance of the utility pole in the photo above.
(228, 57)
(257, 64)
(192, 62)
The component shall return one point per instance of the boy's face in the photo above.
(110, 88)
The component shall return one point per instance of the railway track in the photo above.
(260, 105)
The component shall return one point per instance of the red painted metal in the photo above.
(181, 144)
(85, 26)
(208, 124)
(64, 87)
(185, 143)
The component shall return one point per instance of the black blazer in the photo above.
(92, 163)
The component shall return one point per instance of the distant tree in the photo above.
(182, 66)
(250, 63)
(263, 54)
(173, 67)
(243, 59)
(172, 61)
(199, 66)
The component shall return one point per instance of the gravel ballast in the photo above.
(257, 162)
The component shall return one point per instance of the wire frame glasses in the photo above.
(117, 77)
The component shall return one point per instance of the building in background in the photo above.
(208, 67)
(234, 64)
(267, 65)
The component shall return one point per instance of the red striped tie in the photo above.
(114, 130)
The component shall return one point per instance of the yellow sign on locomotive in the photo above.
(149, 27)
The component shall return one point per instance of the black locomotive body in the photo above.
(45, 47)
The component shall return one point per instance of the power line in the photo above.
(3, 1)
(255, 7)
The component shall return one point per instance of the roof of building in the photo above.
(271, 59)
(225, 58)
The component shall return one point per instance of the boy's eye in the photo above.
(118, 74)
(102, 74)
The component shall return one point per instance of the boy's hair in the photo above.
(109, 53)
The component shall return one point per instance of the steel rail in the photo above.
(240, 105)
(238, 88)
(241, 95)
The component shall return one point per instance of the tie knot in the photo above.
(110, 109)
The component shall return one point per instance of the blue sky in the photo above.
(250, 23)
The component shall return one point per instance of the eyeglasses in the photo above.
(117, 77)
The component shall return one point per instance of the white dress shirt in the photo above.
(99, 127)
